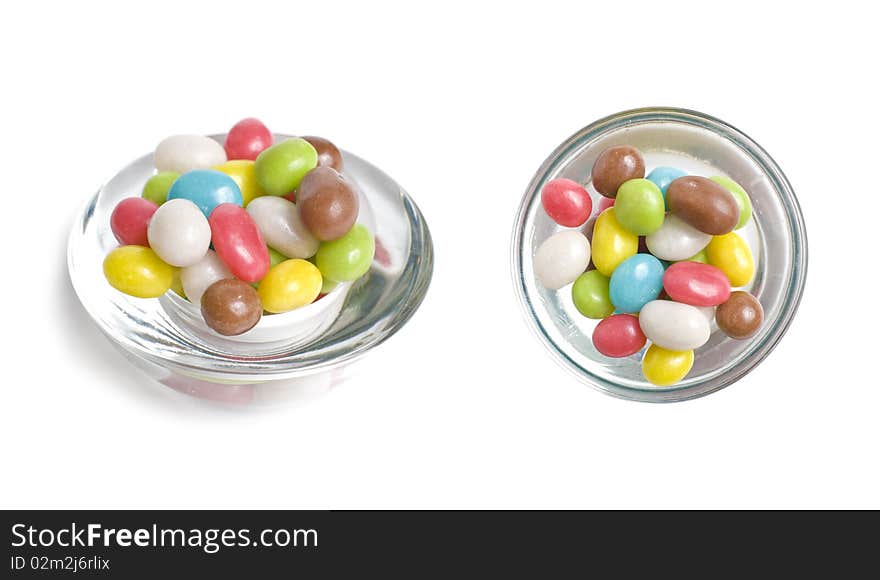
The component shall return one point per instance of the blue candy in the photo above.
(207, 189)
(663, 176)
(635, 282)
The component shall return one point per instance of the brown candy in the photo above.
(703, 204)
(328, 154)
(741, 316)
(614, 166)
(328, 204)
(231, 306)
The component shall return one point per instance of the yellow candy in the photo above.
(291, 284)
(177, 284)
(664, 367)
(612, 243)
(732, 255)
(242, 173)
(138, 271)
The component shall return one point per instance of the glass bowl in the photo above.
(700, 145)
(167, 338)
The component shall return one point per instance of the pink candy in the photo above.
(619, 335)
(566, 202)
(247, 139)
(696, 284)
(130, 219)
(238, 242)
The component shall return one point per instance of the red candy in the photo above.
(130, 219)
(619, 335)
(696, 284)
(604, 203)
(238, 242)
(566, 202)
(247, 139)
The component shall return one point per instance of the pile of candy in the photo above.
(658, 263)
(241, 228)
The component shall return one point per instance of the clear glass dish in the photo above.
(167, 338)
(701, 145)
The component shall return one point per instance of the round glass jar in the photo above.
(700, 145)
(168, 339)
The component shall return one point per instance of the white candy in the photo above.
(182, 153)
(561, 259)
(708, 312)
(179, 233)
(199, 276)
(676, 240)
(673, 325)
(282, 227)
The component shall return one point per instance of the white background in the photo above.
(460, 103)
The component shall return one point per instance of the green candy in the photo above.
(741, 197)
(156, 188)
(281, 167)
(639, 206)
(347, 258)
(590, 295)
(275, 257)
(700, 257)
(328, 286)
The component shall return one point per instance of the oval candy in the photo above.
(281, 167)
(195, 279)
(207, 188)
(130, 219)
(612, 243)
(664, 367)
(614, 166)
(247, 139)
(619, 336)
(741, 197)
(590, 295)
(673, 325)
(639, 206)
(156, 188)
(138, 271)
(347, 258)
(740, 316)
(238, 242)
(231, 307)
(328, 203)
(733, 256)
(290, 285)
(676, 240)
(561, 259)
(179, 233)
(703, 204)
(566, 202)
(182, 153)
(635, 282)
(696, 284)
(282, 227)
